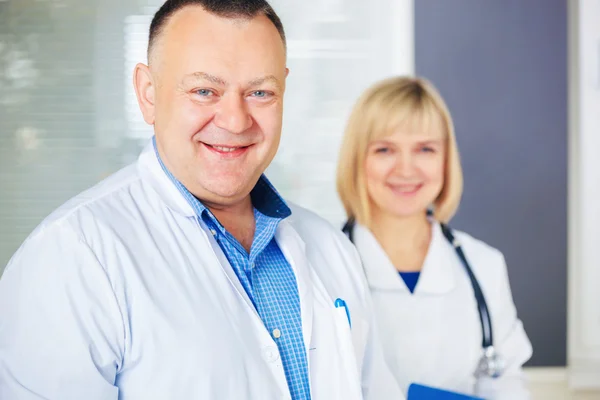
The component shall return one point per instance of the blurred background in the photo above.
(521, 78)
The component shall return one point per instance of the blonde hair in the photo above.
(381, 110)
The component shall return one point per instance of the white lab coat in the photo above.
(123, 294)
(433, 336)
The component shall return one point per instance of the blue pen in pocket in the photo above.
(341, 303)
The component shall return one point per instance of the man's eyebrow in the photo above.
(204, 76)
(195, 76)
(261, 80)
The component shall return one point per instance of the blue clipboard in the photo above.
(422, 392)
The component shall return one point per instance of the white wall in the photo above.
(584, 195)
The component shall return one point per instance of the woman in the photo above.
(400, 180)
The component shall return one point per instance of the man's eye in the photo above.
(259, 93)
(204, 92)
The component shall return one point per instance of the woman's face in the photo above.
(405, 170)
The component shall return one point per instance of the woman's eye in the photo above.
(382, 150)
(427, 149)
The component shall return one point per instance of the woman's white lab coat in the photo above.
(433, 336)
(123, 294)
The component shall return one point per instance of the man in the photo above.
(185, 275)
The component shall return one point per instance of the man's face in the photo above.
(217, 88)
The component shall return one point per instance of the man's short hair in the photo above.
(243, 9)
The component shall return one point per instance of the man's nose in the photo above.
(232, 114)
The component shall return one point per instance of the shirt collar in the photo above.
(265, 199)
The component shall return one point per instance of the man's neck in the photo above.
(237, 219)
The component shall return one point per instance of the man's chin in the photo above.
(227, 194)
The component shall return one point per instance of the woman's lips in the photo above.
(406, 190)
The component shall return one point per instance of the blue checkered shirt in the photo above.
(266, 276)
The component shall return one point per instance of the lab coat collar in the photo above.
(437, 275)
(151, 171)
(265, 197)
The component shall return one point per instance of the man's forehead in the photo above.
(193, 26)
(196, 46)
(181, 26)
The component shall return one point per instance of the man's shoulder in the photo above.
(95, 200)
(66, 226)
(318, 232)
(307, 221)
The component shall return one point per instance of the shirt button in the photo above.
(213, 232)
(270, 354)
(276, 333)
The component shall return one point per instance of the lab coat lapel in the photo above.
(229, 272)
(294, 249)
(381, 273)
(333, 370)
(437, 275)
(152, 173)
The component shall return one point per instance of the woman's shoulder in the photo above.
(482, 256)
(468, 241)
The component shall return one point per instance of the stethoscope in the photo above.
(490, 364)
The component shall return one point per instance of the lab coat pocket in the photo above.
(349, 339)
(332, 359)
(359, 333)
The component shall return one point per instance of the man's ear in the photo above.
(144, 90)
